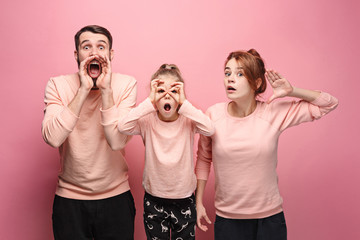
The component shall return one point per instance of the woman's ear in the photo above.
(258, 83)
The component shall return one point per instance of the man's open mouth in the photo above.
(94, 69)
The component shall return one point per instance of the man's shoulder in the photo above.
(122, 78)
(65, 78)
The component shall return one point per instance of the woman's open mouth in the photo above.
(94, 69)
(230, 89)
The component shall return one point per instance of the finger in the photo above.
(176, 84)
(207, 219)
(278, 75)
(269, 76)
(271, 98)
(272, 75)
(201, 226)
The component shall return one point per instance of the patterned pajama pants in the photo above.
(169, 217)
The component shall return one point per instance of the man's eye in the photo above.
(101, 48)
(86, 47)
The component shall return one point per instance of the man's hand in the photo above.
(86, 82)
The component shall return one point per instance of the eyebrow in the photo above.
(102, 41)
(235, 68)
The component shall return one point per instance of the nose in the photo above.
(231, 79)
(94, 51)
(167, 95)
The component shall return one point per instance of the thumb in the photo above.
(207, 219)
(271, 98)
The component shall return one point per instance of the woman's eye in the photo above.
(239, 74)
(227, 74)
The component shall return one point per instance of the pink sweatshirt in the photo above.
(90, 169)
(244, 154)
(169, 166)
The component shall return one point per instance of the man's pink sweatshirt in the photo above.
(244, 154)
(169, 166)
(91, 148)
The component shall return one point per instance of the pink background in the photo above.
(315, 44)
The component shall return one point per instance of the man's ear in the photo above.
(76, 55)
(111, 54)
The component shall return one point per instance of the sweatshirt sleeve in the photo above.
(110, 117)
(203, 124)
(130, 125)
(287, 114)
(204, 156)
(58, 120)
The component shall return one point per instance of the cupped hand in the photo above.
(281, 87)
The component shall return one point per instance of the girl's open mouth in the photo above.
(167, 107)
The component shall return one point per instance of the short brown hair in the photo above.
(93, 29)
(168, 69)
(254, 68)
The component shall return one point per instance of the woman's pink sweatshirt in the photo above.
(244, 154)
(169, 166)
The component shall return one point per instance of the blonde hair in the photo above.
(168, 69)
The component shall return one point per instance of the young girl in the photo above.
(244, 148)
(167, 123)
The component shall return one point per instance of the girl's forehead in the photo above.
(167, 79)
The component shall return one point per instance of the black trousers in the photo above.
(105, 219)
(269, 228)
(169, 217)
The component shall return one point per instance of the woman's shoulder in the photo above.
(217, 110)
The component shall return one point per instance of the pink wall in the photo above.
(315, 44)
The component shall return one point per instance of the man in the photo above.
(93, 198)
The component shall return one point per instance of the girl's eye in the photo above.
(161, 91)
(227, 74)
(240, 74)
(173, 91)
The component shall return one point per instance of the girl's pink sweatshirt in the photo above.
(169, 166)
(92, 163)
(244, 154)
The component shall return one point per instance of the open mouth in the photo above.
(230, 88)
(167, 107)
(94, 69)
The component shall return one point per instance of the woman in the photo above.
(244, 148)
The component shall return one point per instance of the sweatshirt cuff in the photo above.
(109, 115)
(184, 107)
(322, 100)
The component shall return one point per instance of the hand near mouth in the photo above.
(104, 80)
(86, 82)
(177, 92)
(281, 86)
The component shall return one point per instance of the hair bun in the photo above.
(254, 53)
